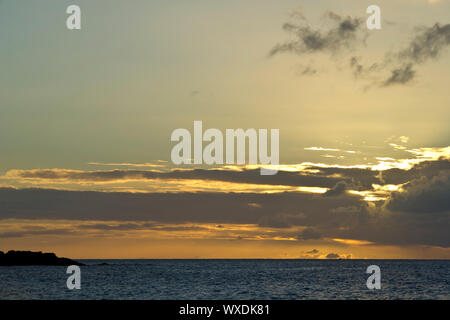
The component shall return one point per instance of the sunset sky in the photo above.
(87, 115)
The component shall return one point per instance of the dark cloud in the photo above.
(419, 214)
(359, 69)
(252, 176)
(43, 232)
(337, 190)
(355, 178)
(359, 179)
(36, 230)
(425, 194)
(318, 214)
(274, 221)
(309, 234)
(306, 71)
(429, 43)
(345, 33)
(179, 228)
(313, 251)
(119, 227)
(402, 75)
(333, 256)
(281, 220)
(356, 66)
(167, 207)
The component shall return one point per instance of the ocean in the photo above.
(230, 279)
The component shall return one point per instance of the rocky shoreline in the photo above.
(30, 258)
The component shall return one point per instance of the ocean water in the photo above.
(230, 279)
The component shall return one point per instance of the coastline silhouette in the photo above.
(29, 258)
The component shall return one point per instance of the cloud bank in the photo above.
(418, 213)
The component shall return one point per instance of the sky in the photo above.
(87, 115)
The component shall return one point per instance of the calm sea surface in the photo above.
(230, 279)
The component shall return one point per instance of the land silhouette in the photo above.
(30, 258)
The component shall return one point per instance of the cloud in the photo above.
(309, 234)
(401, 75)
(319, 218)
(333, 256)
(426, 168)
(429, 43)
(425, 194)
(306, 71)
(362, 179)
(127, 164)
(43, 232)
(281, 220)
(417, 213)
(120, 227)
(311, 254)
(250, 176)
(356, 66)
(337, 190)
(274, 221)
(166, 207)
(345, 33)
